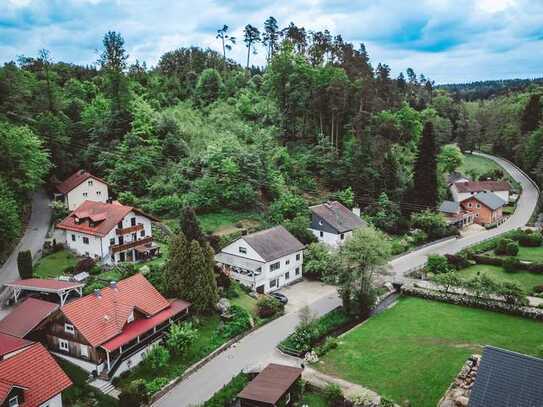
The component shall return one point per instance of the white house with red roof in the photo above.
(29, 376)
(463, 190)
(80, 187)
(111, 330)
(110, 232)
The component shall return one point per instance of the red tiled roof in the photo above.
(10, 344)
(101, 318)
(45, 284)
(5, 389)
(134, 329)
(105, 216)
(37, 371)
(26, 316)
(75, 180)
(478, 186)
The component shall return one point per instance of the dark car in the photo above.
(280, 297)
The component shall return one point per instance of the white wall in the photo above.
(98, 192)
(54, 402)
(462, 196)
(92, 249)
(284, 268)
(233, 248)
(331, 239)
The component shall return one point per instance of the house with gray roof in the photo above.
(507, 379)
(455, 214)
(487, 207)
(333, 223)
(264, 261)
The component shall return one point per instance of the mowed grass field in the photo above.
(414, 350)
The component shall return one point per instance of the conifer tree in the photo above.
(425, 192)
(531, 116)
(203, 294)
(190, 226)
(24, 264)
(177, 271)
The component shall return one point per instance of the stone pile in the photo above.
(457, 395)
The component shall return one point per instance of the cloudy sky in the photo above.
(447, 40)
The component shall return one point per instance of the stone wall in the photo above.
(458, 393)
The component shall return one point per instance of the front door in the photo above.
(122, 256)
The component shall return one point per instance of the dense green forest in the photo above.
(488, 89)
(318, 121)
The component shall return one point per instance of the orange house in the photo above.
(487, 207)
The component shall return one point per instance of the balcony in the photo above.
(130, 245)
(131, 229)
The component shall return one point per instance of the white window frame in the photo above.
(287, 262)
(275, 282)
(342, 236)
(90, 182)
(130, 317)
(84, 350)
(99, 193)
(63, 345)
(85, 194)
(297, 271)
(69, 328)
(14, 401)
(243, 250)
(287, 275)
(142, 233)
(298, 257)
(73, 237)
(86, 240)
(275, 266)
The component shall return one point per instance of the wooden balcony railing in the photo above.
(131, 229)
(129, 245)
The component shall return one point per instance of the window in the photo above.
(320, 222)
(84, 350)
(134, 237)
(63, 345)
(273, 283)
(112, 241)
(14, 401)
(85, 194)
(298, 257)
(69, 328)
(297, 271)
(470, 205)
(478, 206)
(287, 276)
(243, 250)
(120, 224)
(321, 233)
(133, 221)
(99, 193)
(287, 262)
(73, 237)
(142, 233)
(342, 236)
(85, 240)
(90, 183)
(275, 266)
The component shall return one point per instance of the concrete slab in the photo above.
(306, 292)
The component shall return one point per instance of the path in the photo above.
(33, 238)
(258, 347)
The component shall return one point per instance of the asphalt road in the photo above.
(33, 238)
(259, 346)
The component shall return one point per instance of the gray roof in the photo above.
(490, 199)
(238, 261)
(456, 176)
(338, 216)
(507, 379)
(273, 243)
(449, 207)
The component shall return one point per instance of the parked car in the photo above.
(282, 298)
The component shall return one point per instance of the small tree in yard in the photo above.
(24, 264)
(431, 222)
(181, 337)
(317, 260)
(268, 307)
(448, 280)
(158, 357)
(438, 264)
(511, 292)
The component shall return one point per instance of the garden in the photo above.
(415, 349)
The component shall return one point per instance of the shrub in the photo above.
(84, 265)
(458, 261)
(432, 223)
(386, 403)
(228, 393)
(239, 322)
(24, 264)
(268, 306)
(501, 246)
(511, 264)
(530, 239)
(535, 267)
(158, 357)
(317, 260)
(68, 270)
(329, 343)
(231, 292)
(438, 264)
(538, 288)
(512, 248)
(511, 292)
(222, 279)
(181, 337)
(419, 237)
(540, 351)
(332, 393)
(156, 384)
(135, 394)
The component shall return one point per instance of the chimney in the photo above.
(356, 211)
(97, 293)
(113, 285)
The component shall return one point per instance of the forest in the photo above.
(318, 121)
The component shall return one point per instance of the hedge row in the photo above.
(509, 263)
(469, 301)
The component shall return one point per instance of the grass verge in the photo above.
(55, 264)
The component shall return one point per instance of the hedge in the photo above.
(511, 263)
(226, 395)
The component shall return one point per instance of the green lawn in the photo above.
(245, 301)
(224, 219)
(531, 254)
(525, 279)
(477, 164)
(414, 350)
(82, 393)
(53, 265)
(314, 400)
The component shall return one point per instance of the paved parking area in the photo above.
(306, 292)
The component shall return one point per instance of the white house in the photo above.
(80, 187)
(110, 232)
(264, 261)
(466, 189)
(332, 223)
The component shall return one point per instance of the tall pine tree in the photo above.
(425, 193)
(531, 116)
(177, 273)
(190, 226)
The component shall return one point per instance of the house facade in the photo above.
(80, 187)
(109, 232)
(31, 378)
(111, 331)
(486, 207)
(265, 261)
(455, 215)
(333, 223)
(466, 189)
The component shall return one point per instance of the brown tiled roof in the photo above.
(273, 243)
(338, 216)
(271, 384)
(26, 316)
(35, 370)
(479, 186)
(101, 318)
(75, 180)
(97, 218)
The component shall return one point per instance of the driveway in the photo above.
(33, 238)
(305, 293)
(259, 346)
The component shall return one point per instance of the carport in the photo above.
(45, 286)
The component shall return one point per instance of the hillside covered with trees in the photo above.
(318, 121)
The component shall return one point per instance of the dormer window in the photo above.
(69, 328)
(130, 317)
(14, 402)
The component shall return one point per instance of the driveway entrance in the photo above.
(306, 292)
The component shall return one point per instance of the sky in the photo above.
(447, 40)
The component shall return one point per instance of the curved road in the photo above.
(33, 238)
(258, 347)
